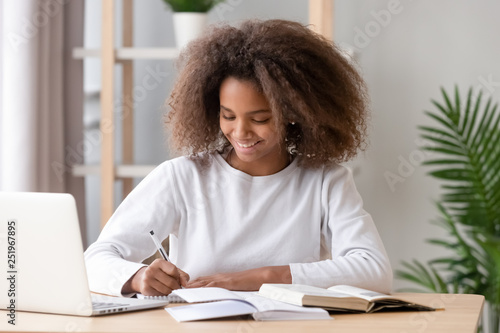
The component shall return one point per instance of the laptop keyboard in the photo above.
(106, 305)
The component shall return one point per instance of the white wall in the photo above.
(420, 47)
(425, 45)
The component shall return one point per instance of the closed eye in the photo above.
(261, 121)
(228, 118)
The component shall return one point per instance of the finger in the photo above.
(184, 277)
(167, 280)
(198, 283)
(168, 268)
(156, 288)
(150, 285)
(155, 274)
(213, 284)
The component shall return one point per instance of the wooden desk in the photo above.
(461, 314)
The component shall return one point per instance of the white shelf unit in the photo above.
(320, 18)
(121, 171)
(124, 53)
(129, 53)
(108, 169)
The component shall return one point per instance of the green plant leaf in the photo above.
(445, 161)
(194, 6)
(482, 126)
(442, 243)
(445, 122)
(441, 141)
(417, 274)
(439, 281)
(451, 174)
(436, 131)
(464, 119)
(465, 142)
(470, 122)
(444, 151)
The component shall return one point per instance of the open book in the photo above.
(225, 303)
(336, 298)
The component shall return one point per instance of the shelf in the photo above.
(129, 53)
(147, 53)
(109, 55)
(121, 171)
(81, 53)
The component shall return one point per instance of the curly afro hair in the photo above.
(312, 89)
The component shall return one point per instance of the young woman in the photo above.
(264, 114)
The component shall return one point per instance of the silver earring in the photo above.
(292, 148)
(292, 123)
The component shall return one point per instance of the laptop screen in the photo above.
(40, 237)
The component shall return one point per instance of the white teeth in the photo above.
(248, 146)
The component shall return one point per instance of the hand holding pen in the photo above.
(171, 270)
(159, 278)
(159, 246)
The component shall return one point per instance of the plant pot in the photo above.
(188, 26)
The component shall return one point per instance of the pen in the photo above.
(159, 246)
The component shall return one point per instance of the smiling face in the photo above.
(247, 122)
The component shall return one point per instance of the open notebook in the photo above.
(212, 303)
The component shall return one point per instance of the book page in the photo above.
(264, 304)
(196, 295)
(245, 294)
(359, 292)
(306, 290)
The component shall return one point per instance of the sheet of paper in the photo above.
(196, 295)
(210, 310)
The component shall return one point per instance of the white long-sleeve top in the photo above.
(223, 220)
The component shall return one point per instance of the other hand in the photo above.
(244, 280)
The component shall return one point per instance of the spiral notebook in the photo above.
(172, 298)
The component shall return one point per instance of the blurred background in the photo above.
(406, 51)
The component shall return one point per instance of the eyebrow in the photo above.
(250, 112)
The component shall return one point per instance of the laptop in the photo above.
(41, 255)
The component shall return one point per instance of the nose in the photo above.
(242, 129)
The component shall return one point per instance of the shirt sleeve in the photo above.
(125, 241)
(358, 257)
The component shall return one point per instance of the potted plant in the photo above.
(190, 18)
(466, 147)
